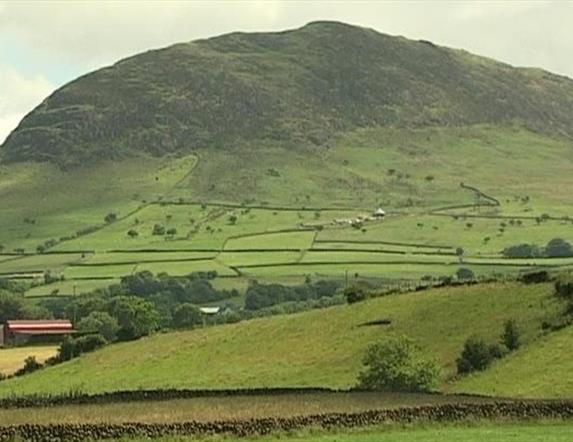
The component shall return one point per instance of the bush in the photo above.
(397, 365)
(465, 274)
(558, 247)
(30, 365)
(564, 287)
(101, 323)
(522, 251)
(511, 336)
(477, 355)
(71, 348)
(354, 294)
(186, 316)
(536, 277)
(158, 229)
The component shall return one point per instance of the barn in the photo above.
(19, 332)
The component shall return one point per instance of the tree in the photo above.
(232, 219)
(460, 253)
(158, 229)
(186, 316)
(110, 218)
(11, 307)
(511, 335)
(558, 247)
(396, 364)
(100, 322)
(132, 233)
(477, 355)
(136, 317)
(171, 232)
(522, 251)
(354, 294)
(465, 274)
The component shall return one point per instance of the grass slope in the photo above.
(530, 432)
(539, 370)
(316, 348)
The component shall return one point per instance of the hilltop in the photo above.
(297, 89)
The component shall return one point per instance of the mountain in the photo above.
(297, 89)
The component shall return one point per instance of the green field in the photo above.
(539, 370)
(222, 408)
(529, 432)
(282, 228)
(316, 348)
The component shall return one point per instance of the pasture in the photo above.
(314, 348)
(12, 359)
(473, 432)
(209, 409)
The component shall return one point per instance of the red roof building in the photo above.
(20, 331)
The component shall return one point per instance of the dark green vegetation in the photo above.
(295, 88)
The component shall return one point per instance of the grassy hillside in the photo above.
(316, 348)
(539, 370)
(296, 88)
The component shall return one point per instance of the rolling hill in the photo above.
(296, 88)
(316, 348)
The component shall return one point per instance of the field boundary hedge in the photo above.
(262, 426)
(388, 243)
(154, 395)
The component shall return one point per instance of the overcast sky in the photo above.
(45, 44)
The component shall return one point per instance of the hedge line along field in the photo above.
(236, 407)
(314, 348)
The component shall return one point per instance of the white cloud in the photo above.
(18, 95)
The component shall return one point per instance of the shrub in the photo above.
(465, 274)
(564, 287)
(30, 365)
(354, 294)
(158, 229)
(536, 277)
(85, 344)
(558, 247)
(522, 251)
(511, 336)
(187, 315)
(100, 322)
(110, 218)
(477, 355)
(396, 365)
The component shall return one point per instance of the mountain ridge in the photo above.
(298, 87)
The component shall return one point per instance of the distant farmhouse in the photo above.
(20, 332)
(379, 213)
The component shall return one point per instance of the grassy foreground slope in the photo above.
(316, 348)
(539, 370)
(532, 432)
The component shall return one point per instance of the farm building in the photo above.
(18, 332)
(379, 213)
(210, 310)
